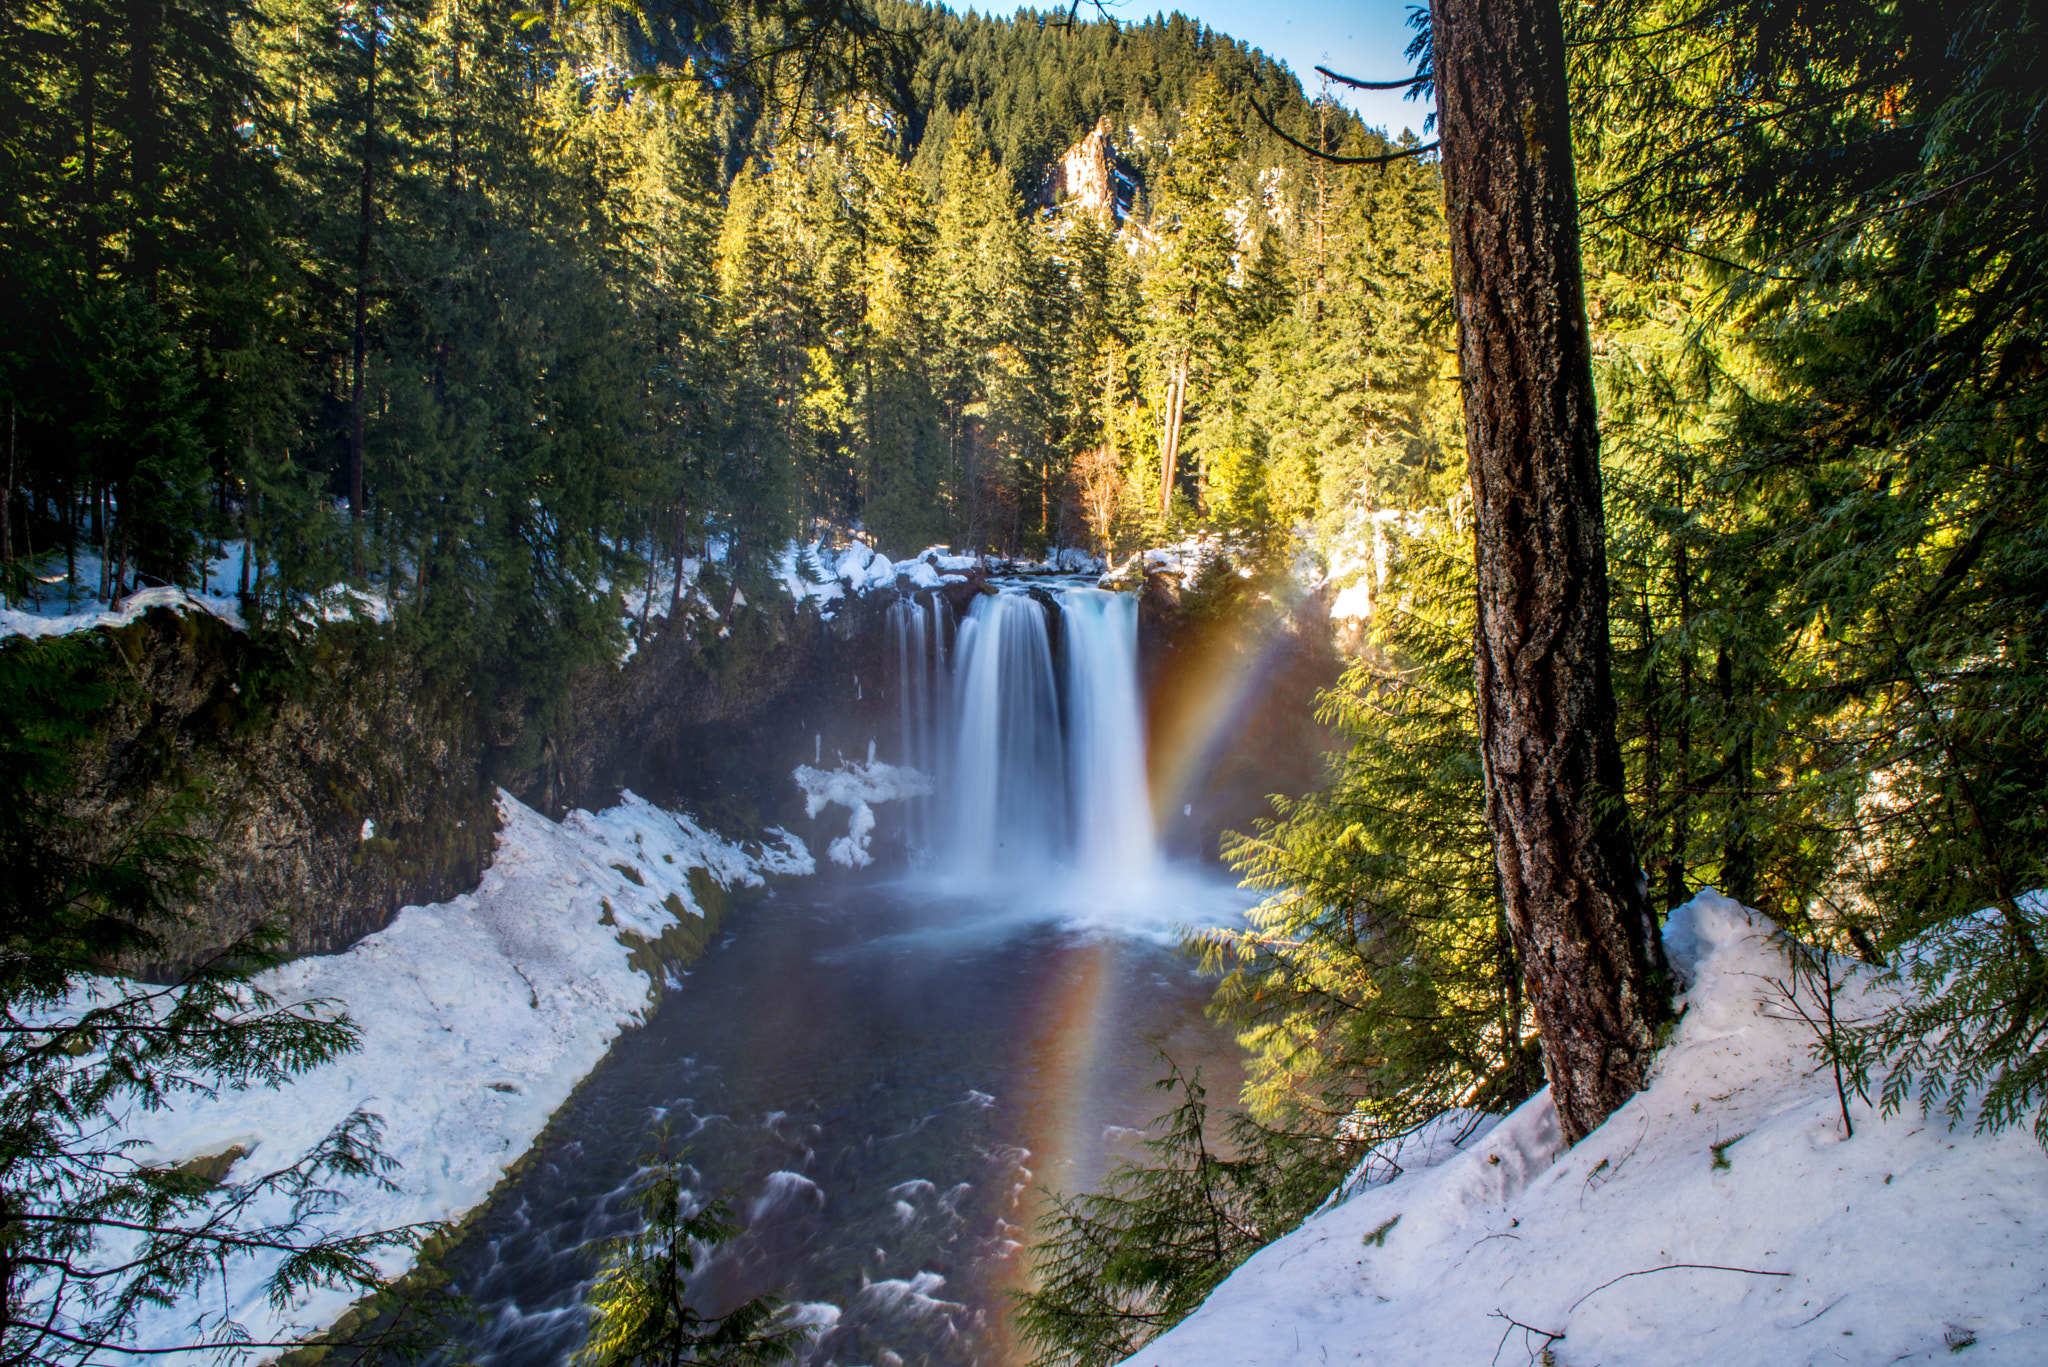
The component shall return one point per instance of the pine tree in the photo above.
(641, 1311)
(1586, 938)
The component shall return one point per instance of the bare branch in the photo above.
(1332, 157)
(1670, 1267)
(1375, 85)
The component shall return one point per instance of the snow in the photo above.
(855, 786)
(941, 558)
(789, 568)
(218, 595)
(30, 623)
(1361, 552)
(345, 603)
(1896, 1245)
(478, 1015)
(1354, 603)
(650, 599)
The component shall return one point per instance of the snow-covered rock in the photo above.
(855, 787)
(1721, 1216)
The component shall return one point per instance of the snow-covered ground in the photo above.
(478, 1015)
(815, 572)
(62, 606)
(818, 572)
(1721, 1217)
(28, 622)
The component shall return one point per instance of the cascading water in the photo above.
(1111, 804)
(1005, 785)
(1037, 767)
(919, 632)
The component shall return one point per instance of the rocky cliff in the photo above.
(346, 783)
(1088, 178)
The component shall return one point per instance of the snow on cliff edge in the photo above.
(1909, 1242)
(479, 1015)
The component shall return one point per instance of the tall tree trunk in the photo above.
(143, 152)
(1176, 397)
(1554, 801)
(1681, 779)
(88, 146)
(360, 338)
(1738, 849)
(7, 518)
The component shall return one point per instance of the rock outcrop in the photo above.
(1086, 177)
(344, 785)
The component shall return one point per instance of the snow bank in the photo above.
(855, 786)
(23, 622)
(479, 1016)
(1897, 1245)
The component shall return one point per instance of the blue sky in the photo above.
(1365, 39)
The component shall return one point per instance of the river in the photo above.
(883, 1071)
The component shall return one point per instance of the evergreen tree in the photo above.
(1120, 1266)
(642, 1315)
(93, 1237)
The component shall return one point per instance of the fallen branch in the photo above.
(1527, 1329)
(1670, 1267)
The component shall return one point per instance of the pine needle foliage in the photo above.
(95, 1240)
(641, 1311)
(1377, 986)
(1858, 533)
(1118, 1267)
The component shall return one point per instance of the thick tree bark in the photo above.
(1554, 799)
(144, 250)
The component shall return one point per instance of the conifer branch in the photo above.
(1332, 157)
(1376, 85)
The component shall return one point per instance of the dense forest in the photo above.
(490, 314)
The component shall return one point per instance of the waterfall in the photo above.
(1037, 767)
(1006, 785)
(919, 634)
(1112, 807)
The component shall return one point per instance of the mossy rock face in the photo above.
(686, 939)
(297, 745)
(293, 757)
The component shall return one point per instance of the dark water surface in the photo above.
(881, 1076)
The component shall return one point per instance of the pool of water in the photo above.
(882, 1076)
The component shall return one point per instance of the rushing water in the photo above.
(883, 1074)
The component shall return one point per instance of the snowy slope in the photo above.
(479, 1016)
(1906, 1243)
(53, 622)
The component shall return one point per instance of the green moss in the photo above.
(683, 942)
